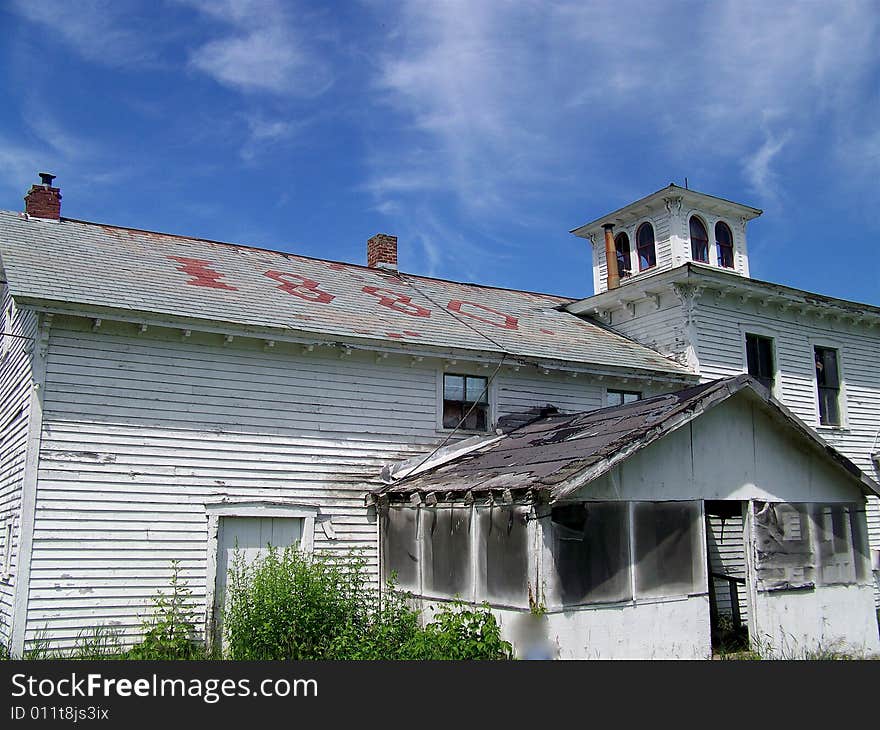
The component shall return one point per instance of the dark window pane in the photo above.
(783, 552)
(668, 553)
(590, 544)
(400, 554)
(828, 382)
(619, 397)
(645, 246)
(724, 242)
(624, 263)
(861, 548)
(503, 558)
(446, 545)
(699, 241)
(759, 355)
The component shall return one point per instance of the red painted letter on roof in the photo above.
(505, 322)
(201, 274)
(397, 302)
(300, 286)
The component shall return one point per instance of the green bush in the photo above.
(290, 605)
(170, 632)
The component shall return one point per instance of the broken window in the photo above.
(590, 546)
(668, 550)
(783, 551)
(399, 548)
(841, 539)
(503, 554)
(446, 557)
(828, 383)
(466, 402)
(759, 358)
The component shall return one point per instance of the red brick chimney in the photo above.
(43, 201)
(382, 252)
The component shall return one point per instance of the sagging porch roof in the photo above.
(552, 457)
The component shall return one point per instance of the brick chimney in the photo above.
(382, 252)
(43, 201)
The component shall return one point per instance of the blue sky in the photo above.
(477, 132)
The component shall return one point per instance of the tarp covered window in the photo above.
(841, 543)
(446, 551)
(503, 555)
(399, 548)
(590, 547)
(669, 556)
(784, 556)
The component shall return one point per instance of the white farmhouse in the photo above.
(165, 397)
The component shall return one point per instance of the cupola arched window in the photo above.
(699, 241)
(624, 261)
(645, 246)
(724, 244)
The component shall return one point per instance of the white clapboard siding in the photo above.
(662, 329)
(15, 392)
(140, 431)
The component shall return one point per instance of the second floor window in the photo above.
(466, 402)
(699, 241)
(760, 360)
(619, 397)
(645, 246)
(828, 382)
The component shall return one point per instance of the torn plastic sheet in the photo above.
(589, 542)
(784, 557)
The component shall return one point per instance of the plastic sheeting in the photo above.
(784, 556)
(503, 558)
(590, 548)
(446, 551)
(399, 547)
(669, 556)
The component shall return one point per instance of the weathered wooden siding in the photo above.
(15, 393)
(720, 327)
(660, 328)
(141, 430)
(727, 555)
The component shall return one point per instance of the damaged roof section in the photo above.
(551, 458)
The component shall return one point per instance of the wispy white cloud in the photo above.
(494, 92)
(261, 49)
(103, 31)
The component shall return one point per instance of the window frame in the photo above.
(627, 255)
(826, 344)
(638, 228)
(699, 219)
(717, 245)
(774, 359)
(491, 409)
(760, 331)
(621, 391)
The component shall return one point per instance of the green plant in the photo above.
(97, 642)
(169, 633)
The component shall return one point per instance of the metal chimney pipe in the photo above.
(613, 280)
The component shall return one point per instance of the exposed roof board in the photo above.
(559, 454)
(104, 267)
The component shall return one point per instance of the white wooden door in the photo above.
(251, 536)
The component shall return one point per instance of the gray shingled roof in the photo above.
(559, 454)
(105, 268)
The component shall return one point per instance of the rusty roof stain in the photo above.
(92, 268)
(554, 456)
